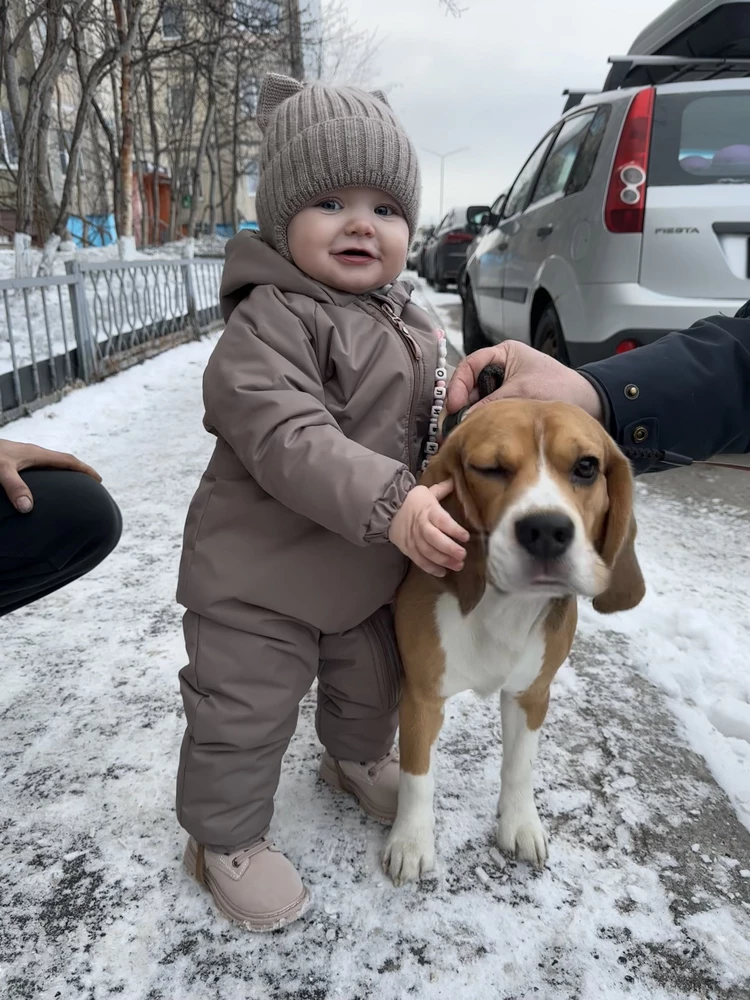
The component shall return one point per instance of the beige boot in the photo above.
(256, 887)
(373, 783)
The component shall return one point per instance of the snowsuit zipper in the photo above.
(416, 356)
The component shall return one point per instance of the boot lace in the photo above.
(249, 852)
(375, 769)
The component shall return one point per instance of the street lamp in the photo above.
(443, 157)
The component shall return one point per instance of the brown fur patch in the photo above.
(616, 543)
(421, 705)
(559, 631)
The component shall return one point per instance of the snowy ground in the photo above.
(647, 891)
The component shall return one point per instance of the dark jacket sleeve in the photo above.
(687, 394)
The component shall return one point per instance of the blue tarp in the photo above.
(228, 230)
(100, 231)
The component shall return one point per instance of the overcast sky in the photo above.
(491, 79)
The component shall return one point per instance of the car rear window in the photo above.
(701, 139)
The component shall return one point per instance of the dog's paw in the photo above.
(520, 833)
(409, 853)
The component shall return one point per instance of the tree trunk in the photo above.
(90, 80)
(124, 12)
(203, 142)
(156, 150)
(236, 169)
(220, 172)
(139, 150)
(114, 158)
(212, 193)
(296, 50)
(47, 208)
(50, 66)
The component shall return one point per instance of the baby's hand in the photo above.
(424, 532)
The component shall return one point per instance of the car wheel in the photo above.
(474, 338)
(549, 337)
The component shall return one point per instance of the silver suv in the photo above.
(631, 218)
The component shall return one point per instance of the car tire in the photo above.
(461, 281)
(473, 336)
(549, 337)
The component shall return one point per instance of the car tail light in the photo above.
(626, 345)
(626, 197)
(457, 238)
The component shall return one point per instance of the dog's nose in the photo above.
(545, 536)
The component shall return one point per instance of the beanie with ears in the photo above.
(317, 138)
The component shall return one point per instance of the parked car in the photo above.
(446, 251)
(421, 237)
(486, 220)
(631, 217)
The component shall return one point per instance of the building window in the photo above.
(172, 21)
(249, 95)
(262, 17)
(252, 175)
(178, 103)
(8, 141)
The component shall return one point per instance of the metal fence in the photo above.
(98, 318)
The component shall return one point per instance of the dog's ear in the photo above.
(469, 583)
(616, 545)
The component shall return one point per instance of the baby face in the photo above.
(354, 239)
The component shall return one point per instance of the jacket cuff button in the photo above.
(640, 434)
(632, 391)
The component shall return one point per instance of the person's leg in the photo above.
(359, 683)
(241, 691)
(73, 526)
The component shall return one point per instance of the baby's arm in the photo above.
(264, 395)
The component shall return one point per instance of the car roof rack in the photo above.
(662, 69)
(635, 71)
(575, 97)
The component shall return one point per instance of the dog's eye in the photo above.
(494, 471)
(585, 470)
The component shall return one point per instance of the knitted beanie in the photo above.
(317, 138)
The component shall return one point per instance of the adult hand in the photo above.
(529, 374)
(424, 531)
(14, 458)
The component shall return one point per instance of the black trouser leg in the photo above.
(75, 524)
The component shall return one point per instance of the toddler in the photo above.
(323, 394)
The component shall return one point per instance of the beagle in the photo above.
(547, 497)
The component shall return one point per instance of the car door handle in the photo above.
(544, 231)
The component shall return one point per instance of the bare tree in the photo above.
(91, 74)
(127, 19)
(296, 51)
(31, 124)
(452, 7)
(150, 100)
(346, 53)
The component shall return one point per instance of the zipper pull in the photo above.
(402, 328)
